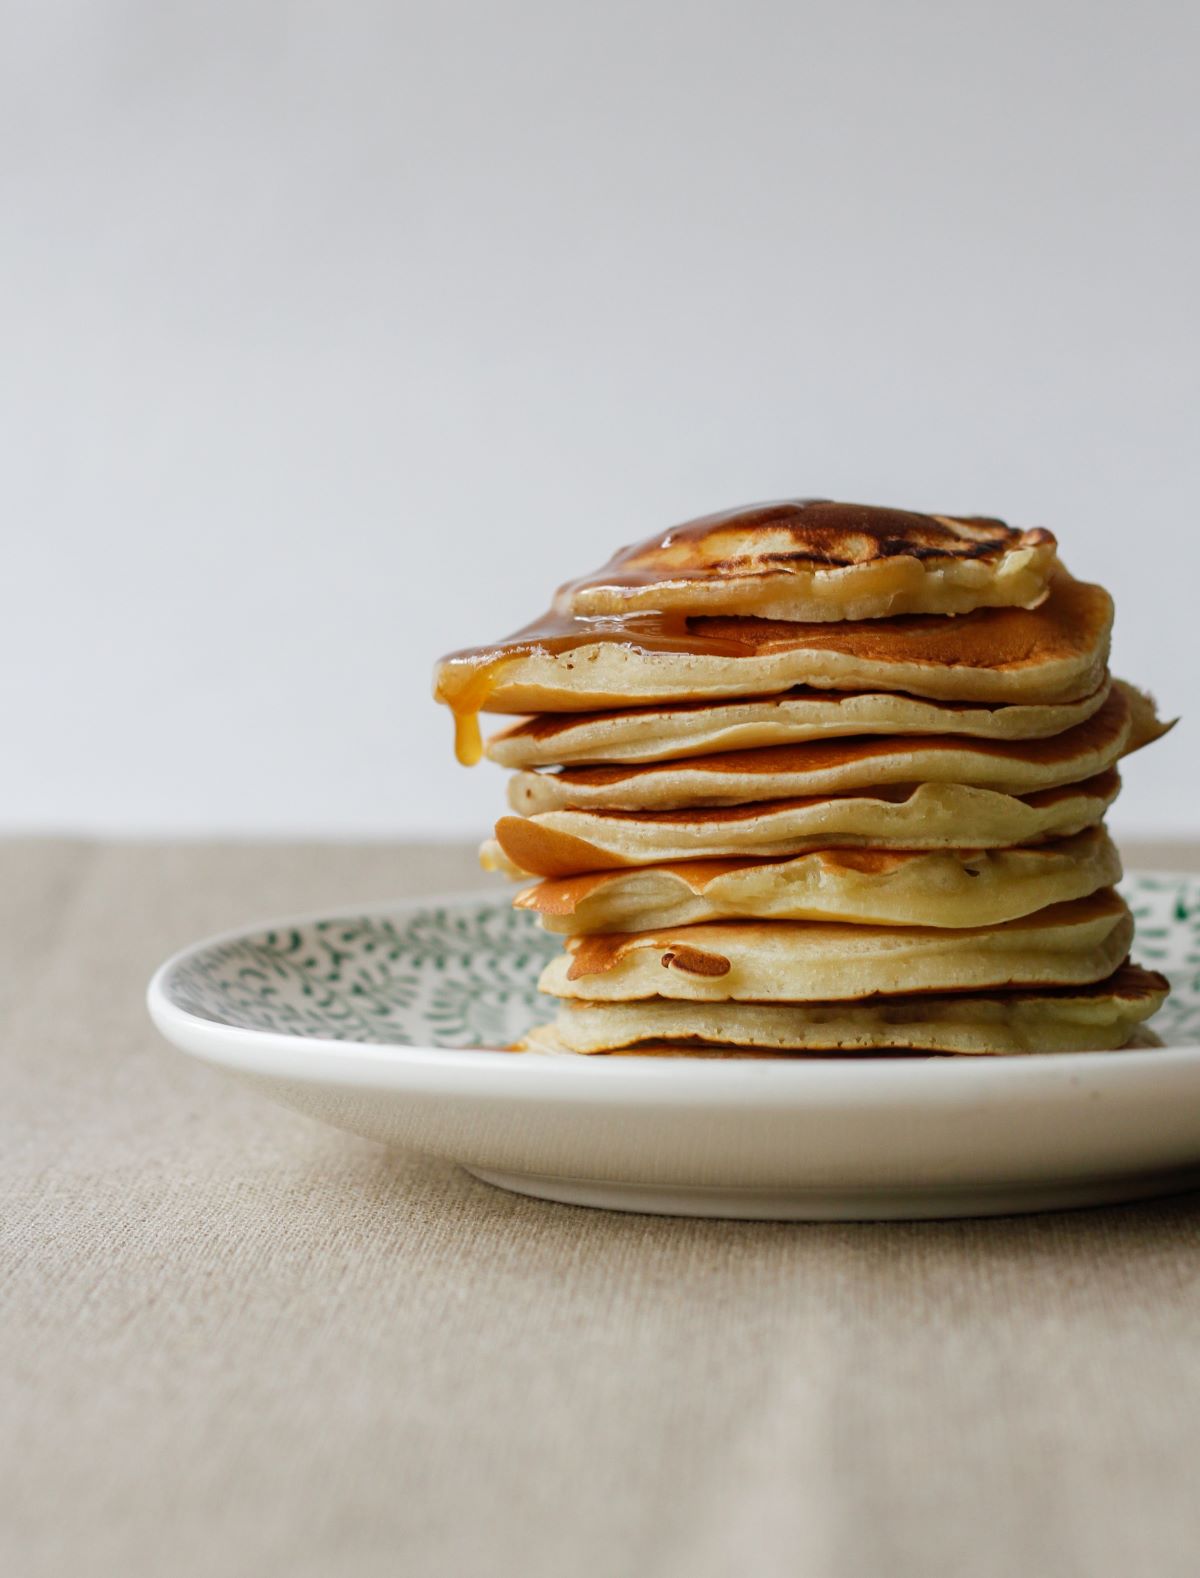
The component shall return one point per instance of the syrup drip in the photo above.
(467, 679)
(468, 742)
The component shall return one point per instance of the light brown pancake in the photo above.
(817, 961)
(1099, 1017)
(816, 559)
(780, 772)
(950, 888)
(697, 728)
(927, 816)
(1056, 652)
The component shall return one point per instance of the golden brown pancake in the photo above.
(1093, 1018)
(949, 887)
(812, 775)
(1057, 652)
(779, 772)
(697, 728)
(816, 559)
(814, 961)
(927, 816)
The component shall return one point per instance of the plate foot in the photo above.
(816, 1204)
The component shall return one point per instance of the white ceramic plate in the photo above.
(369, 1020)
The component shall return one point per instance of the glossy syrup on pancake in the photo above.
(1072, 624)
(466, 680)
(788, 534)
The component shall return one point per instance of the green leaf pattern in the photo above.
(465, 973)
(459, 974)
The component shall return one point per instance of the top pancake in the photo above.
(1054, 653)
(816, 559)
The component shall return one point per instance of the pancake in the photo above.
(779, 772)
(1057, 652)
(659, 734)
(1095, 1018)
(816, 559)
(814, 961)
(872, 887)
(927, 816)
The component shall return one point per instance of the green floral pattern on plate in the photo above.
(465, 973)
(458, 974)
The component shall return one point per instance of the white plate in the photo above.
(367, 1020)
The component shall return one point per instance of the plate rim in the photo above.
(322, 1059)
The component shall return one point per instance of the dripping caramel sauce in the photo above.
(819, 527)
(1066, 622)
(468, 741)
(466, 679)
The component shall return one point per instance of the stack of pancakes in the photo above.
(814, 777)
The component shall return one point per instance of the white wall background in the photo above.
(333, 336)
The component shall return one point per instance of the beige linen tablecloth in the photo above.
(235, 1342)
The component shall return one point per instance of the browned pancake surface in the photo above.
(822, 534)
(1071, 625)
